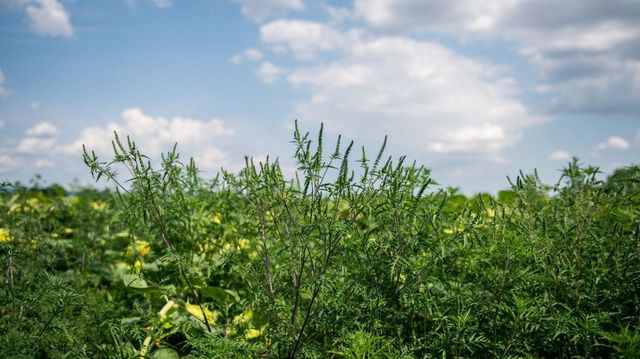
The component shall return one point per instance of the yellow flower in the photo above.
(5, 235)
(68, 230)
(98, 206)
(194, 309)
(491, 213)
(243, 243)
(226, 248)
(138, 265)
(143, 248)
(448, 231)
(216, 218)
(253, 255)
(243, 317)
(252, 333)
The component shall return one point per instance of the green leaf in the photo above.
(221, 296)
(165, 353)
(134, 281)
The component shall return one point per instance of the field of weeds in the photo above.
(359, 256)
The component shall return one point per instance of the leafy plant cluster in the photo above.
(357, 256)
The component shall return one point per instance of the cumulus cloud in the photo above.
(250, 54)
(155, 135)
(485, 137)
(36, 145)
(49, 18)
(615, 143)
(585, 52)
(268, 72)
(43, 129)
(559, 155)
(40, 139)
(305, 39)
(43, 147)
(422, 92)
(260, 9)
(434, 15)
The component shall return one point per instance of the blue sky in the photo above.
(474, 90)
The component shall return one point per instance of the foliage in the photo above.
(352, 258)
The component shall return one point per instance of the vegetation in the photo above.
(356, 257)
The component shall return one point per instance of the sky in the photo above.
(474, 90)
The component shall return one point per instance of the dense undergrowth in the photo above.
(357, 257)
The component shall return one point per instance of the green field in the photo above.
(359, 256)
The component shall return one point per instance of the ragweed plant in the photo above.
(353, 257)
(335, 243)
(149, 192)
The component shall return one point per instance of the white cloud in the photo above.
(486, 137)
(435, 15)
(212, 157)
(2, 122)
(615, 143)
(40, 139)
(418, 91)
(35, 105)
(36, 145)
(304, 38)
(269, 72)
(43, 129)
(585, 53)
(260, 9)
(559, 155)
(44, 162)
(3, 90)
(248, 54)
(49, 18)
(155, 135)
(7, 162)
(595, 38)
